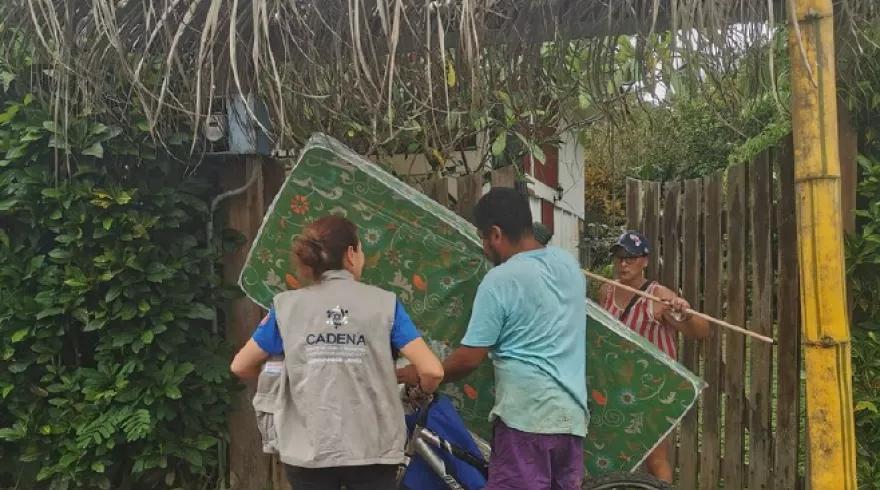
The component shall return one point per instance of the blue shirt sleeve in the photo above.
(268, 336)
(488, 316)
(403, 331)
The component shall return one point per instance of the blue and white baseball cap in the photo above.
(633, 242)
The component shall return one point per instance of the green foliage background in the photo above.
(695, 129)
(860, 89)
(110, 375)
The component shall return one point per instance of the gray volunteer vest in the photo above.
(342, 406)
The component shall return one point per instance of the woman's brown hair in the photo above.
(323, 244)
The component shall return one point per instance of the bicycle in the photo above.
(426, 444)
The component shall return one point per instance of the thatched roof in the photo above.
(377, 67)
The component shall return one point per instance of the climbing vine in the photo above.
(111, 375)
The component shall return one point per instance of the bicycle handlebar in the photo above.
(422, 418)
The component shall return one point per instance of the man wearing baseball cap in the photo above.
(657, 322)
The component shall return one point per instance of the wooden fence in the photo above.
(727, 243)
(467, 189)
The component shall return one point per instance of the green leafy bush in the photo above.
(598, 239)
(680, 139)
(866, 391)
(110, 374)
(729, 118)
(863, 250)
(863, 271)
(863, 262)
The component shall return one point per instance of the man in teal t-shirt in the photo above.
(529, 316)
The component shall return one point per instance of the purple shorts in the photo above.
(525, 461)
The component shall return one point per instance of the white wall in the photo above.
(566, 231)
(571, 177)
(571, 174)
(535, 205)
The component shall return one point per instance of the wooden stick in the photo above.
(720, 323)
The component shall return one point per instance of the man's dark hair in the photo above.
(507, 209)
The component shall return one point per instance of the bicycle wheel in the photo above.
(626, 481)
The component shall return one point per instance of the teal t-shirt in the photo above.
(531, 313)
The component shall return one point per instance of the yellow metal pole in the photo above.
(826, 335)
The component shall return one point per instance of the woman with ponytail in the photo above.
(338, 418)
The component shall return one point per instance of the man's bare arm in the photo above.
(463, 362)
(457, 366)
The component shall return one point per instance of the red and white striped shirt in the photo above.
(641, 320)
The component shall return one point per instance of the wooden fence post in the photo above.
(788, 378)
(503, 177)
(249, 467)
(634, 204)
(651, 227)
(689, 457)
(734, 373)
(670, 273)
(438, 190)
(710, 452)
(273, 179)
(848, 141)
(761, 363)
(470, 189)
(671, 270)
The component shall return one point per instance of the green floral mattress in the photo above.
(432, 259)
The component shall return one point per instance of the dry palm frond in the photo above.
(385, 72)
